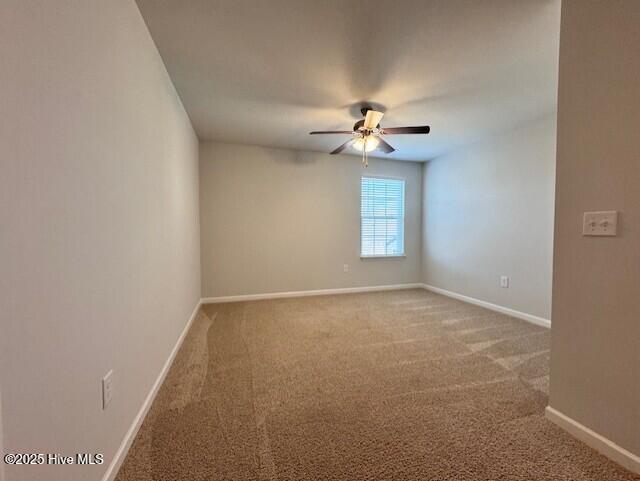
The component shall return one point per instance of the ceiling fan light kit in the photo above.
(368, 144)
(367, 134)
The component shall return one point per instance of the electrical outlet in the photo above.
(107, 389)
(504, 282)
(345, 267)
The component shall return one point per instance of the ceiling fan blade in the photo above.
(316, 132)
(423, 129)
(372, 119)
(384, 146)
(342, 147)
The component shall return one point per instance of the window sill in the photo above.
(390, 256)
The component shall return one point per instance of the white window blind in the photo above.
(381, 217)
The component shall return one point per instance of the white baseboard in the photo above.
(122, 451)
(316, 292)
(539, 321)
(594, 440)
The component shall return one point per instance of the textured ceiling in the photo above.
(268, 72)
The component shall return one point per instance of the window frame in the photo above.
(404, 211)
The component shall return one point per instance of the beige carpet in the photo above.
(402, 385)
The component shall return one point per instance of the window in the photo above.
(381, 217)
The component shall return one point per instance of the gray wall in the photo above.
(488, 211)
(99, 245)
(280, 220)
(595, 354)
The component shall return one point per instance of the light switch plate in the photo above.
(603, 223)
(504, 282)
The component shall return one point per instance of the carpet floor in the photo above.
(395, 386)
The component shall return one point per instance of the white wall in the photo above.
(595, 348)
(280, 220)
(488, 211)
(99, 212)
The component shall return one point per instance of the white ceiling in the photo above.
(266, 72)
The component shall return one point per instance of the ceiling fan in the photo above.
(367, 134)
